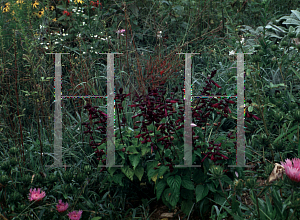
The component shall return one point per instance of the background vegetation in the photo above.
(154, 32)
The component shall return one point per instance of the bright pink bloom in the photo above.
(75, 215)
(61, 207)
(121, 31)
(292, 170)
(36, 195)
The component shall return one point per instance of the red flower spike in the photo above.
(256, 118)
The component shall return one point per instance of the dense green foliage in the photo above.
(154, 31)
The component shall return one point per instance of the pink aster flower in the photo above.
(121, 31)
(61, 207)
(292, 170)
(36, 195)
(75, 215)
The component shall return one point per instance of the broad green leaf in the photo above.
(154, 178)
(111, 170)
(132, 150)
(161, 184)
(201, 192)
(174, 182)
(152, 173)
(139, 172)
(162, 169)
(172, 196)
(145, 150)
(134, 159)
(128, 172)
(188, 184)
(118, 179)
(186, 206)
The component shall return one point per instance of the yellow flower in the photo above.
(20, 1)
(51, 8)
(79, 1)
(40, 13)
(6, 8)
(54, 19)
(35, 4)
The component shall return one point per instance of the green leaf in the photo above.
(132, 150)
(284, 134)
(297, 74)
(188, 184)
(186, 206)
(151, 174)
(134, 159)
(144, 150)
(96, 218)
(174, 182)
(160, 186)
(172, 196)
(118, 179)
(111, 170)
(139, 172)
(297, 13)
(162, 170)
(201, 192)
(128, 172)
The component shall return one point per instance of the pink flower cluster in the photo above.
(37, 195)
(61, 207)
(75, 215)
(292, 170)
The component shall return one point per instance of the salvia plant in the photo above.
(158, 145)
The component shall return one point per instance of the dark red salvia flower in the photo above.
(95, 4)
(67, 13)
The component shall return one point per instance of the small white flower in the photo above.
(46, 47)
(83, 52)
(193, 125)
(77, 13)
(159, 34)
(83, 23)
(74, 9)
(231, 53)
(243, 40)
(42, 43)
(237, 175)
(55, 42)
(92, 47)
(47, 43)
